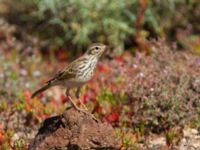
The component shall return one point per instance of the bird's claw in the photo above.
(82, 110)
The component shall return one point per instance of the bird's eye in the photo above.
(96, 48)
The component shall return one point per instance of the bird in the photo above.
(77, 73)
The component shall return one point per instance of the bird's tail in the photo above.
(43, 88)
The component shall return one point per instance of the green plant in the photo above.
(170, 15)
(20, 144)
(76, 23)
(83, 22)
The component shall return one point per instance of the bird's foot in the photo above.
(88, 113)
(85, 111)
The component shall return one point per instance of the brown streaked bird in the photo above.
(77, 73)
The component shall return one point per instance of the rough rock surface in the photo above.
(74, 130)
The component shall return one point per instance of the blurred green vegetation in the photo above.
(121, 23)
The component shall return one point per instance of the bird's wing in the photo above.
(70, 71)
(62, 75)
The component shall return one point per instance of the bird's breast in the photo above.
(84, 73)
(88, 71)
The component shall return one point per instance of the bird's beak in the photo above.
(106, 50)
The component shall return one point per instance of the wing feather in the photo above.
(70, 71)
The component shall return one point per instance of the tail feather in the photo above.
(45, 87)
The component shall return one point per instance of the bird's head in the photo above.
(96, 50)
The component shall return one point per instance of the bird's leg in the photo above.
(73, 103)
(79, 109)
(78, 96)
(78, 92)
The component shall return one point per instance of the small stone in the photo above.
(158, 141)
(36, 73)
(23, 72)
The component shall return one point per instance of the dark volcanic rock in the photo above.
(74, 130)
